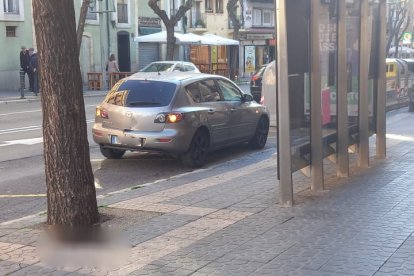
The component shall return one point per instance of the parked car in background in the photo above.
(170, 66)
(256, 83)
(183, 114)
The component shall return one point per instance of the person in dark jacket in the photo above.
(33, 65)
(24, 64)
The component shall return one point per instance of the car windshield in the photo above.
(157, 67)
(142, 93)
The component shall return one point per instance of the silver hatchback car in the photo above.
(182, 114)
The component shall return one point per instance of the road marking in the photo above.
(30, 128)
(20, 112)
(27, 142)
(33, 111)
(28, 195)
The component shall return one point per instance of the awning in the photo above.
(187, 38)
(219, 40)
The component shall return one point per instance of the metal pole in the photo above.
(285, 165)
(364, 55)
(342, 96)
(316, 99)
(381, 96)
(22, 84)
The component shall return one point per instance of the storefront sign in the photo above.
(249, 59)
(327, 37)
(149, 21)
(407, 37)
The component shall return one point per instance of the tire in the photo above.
(196, 155)
(260, 136)
(112, 153)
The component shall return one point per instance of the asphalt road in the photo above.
(22, 181)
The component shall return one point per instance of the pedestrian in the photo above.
(30, 71)
(33, 64)
(24, 64)
(112, 67)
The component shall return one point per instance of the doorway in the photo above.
(124, 57)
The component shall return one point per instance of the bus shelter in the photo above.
(330, 86)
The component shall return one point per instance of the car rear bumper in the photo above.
(168, 140)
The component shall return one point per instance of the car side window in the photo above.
(230, 92)
(209, 91)
(179, 67)
(194, 92)
(189, 68)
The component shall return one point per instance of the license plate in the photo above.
(114, 139)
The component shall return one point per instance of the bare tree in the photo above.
(81, 22)
(232, 12)
(399, 19)
(170, 22)
(71, 194)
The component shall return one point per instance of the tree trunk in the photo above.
(71, 195)
(170, 22)
(81, 22)
(170, 41)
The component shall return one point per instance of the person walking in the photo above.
(24, 64)
(111, 67)
(33, 64)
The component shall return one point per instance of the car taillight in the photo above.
(102, 113)
(173, 117)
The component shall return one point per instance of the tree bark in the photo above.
(81, 22)
(71, 195)
(170, 23)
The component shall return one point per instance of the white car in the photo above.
(170, 66)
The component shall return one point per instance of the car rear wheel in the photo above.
(112, 153)
(260, 136)
(196, 156)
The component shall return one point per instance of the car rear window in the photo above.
(142, 93)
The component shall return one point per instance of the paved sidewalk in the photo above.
(225, 220)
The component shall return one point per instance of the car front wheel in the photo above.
(112, 153)
(196, 156)
(260, 136)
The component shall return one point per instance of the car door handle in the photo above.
(211, 111)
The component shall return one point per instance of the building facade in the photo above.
(109, 29)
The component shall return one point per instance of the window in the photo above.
(257, 17)
(209, 5)
(122, 11)
(219, 6)
(268, 18)
(11, 6)
(230, 92)
(11, 31)
(141, 93)
(92, 12)
(208, 91)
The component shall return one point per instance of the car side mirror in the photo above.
(246, 98)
